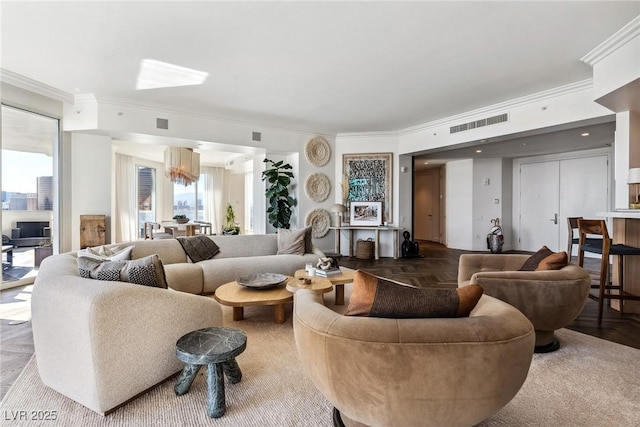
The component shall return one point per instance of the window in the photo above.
(29, 195)
(27, 160)
(189, 200)
(146, 196)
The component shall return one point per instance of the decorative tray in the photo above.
(262, 280)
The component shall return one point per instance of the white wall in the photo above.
(459, 196)
(90, 184)
(487, 188)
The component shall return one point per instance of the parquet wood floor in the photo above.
(438, 268)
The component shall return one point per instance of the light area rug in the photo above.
(588, 382)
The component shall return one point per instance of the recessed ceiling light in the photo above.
(157, 74)
(426, 163)
(478, 151)
(585, 134)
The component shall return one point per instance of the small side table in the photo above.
(217, 348)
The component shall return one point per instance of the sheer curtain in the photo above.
(213, 186)
(125, 199)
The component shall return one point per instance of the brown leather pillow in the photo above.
(532, 262)
(377, 297)
(555, 261)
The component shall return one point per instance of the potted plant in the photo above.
(278, 178)
(181, 219)
(230, 225)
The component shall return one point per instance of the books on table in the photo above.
(335, 271)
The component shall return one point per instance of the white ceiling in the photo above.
(323, 67)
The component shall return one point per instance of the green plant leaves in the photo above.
(279, 177)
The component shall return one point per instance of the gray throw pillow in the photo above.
(199, 248)
(291, 241)
(147, 271)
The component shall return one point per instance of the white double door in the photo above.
(551, 191)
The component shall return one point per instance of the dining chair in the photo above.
(604, 247)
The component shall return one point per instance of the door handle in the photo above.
(555, 219)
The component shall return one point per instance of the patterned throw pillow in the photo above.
(147, 271)
(377, 297)
(532, 262)
(199, 248)
(104, 252)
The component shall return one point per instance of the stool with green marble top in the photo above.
(217, 348)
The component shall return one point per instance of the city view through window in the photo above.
(27, 181)
(189, 200)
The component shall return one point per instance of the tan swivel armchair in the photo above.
(414, 372)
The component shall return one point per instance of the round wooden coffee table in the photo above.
(319, 285)
(236, 296)
(338, 281)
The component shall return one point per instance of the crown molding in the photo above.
(613, 43)
(22, 82)
(503, 107)
(374, 134)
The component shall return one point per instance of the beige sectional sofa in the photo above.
(239, 255)
(102, 343)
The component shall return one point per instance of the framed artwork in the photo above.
(367, 178)
(366, 213)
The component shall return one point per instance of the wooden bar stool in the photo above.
(572, 223)
(598, 227)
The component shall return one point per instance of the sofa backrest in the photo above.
(169, 250)
(244, 245)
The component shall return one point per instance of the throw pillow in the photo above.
(532, 262)
(555, 261)
(199, 248)
(147, 271)
(113, 253)
(291, 241)
(377, 297)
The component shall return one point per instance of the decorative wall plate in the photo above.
(317, 187)
(319, 220)
(317, 151)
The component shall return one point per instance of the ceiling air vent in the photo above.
(256, 136)
(162, 123)
(479, 123)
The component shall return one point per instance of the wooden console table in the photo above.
(394, 230)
